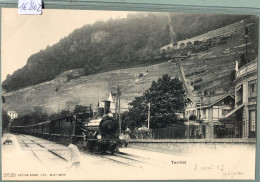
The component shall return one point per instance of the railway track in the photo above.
(58, 154)
(47, 157)
(125, 159)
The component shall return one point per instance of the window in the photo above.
(252, 88)
(224, 112)
(204, 112)
(252, 119)
(239, 95)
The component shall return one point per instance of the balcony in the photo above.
(247, 68)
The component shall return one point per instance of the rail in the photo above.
(182, 75)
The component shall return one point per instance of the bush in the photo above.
(205, 92)
(198, 80)
(194, 73)
(196, 87)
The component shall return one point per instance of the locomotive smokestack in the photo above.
(106, 106)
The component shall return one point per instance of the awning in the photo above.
(233, 111)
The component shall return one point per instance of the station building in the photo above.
(246, 99)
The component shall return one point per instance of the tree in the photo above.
(80, 109)
(38, 115)
(166, 96)
(54, 116)
(72, 103)
(65, 113)
(5, 120)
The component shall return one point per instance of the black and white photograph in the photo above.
(128, 95)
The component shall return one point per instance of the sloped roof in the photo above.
(232, 112)
(110, 97)
(209, 101)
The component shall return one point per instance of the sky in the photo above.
(24, 35)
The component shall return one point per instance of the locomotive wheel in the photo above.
(90, 146)
(80, 144)
(98, 149)
(114, 150)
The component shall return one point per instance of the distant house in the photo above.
(210, 109)
(12, 114)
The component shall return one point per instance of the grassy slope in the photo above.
(217, 62)
(86, 89)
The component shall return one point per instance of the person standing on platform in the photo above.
(74, 155)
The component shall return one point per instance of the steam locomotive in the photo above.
(97, 135)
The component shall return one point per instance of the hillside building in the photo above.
(123, 103)
(210, 109)
(12, 114)
(109, 105)
(245, 110)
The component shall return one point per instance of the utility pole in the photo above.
(118, 109)
(149, 113)
(119, 112)
(116, 106)
(200, 108)
(188, 134)
(246, 37)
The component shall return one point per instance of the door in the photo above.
(252, 124)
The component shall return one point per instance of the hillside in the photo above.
(210, 72)
(111, 45)
(59, 93)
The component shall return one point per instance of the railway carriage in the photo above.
(46, 129)
(39, 129)
(95, 134)
(30, 129)
(55, 128)
(34, 129)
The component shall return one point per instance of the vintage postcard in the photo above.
(117, 95)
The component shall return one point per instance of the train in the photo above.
(97, 135)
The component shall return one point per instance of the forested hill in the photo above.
(114, 44)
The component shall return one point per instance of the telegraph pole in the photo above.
(246, 37)
(118, 110)
(149, 113)
(116, 106)
(119, 114)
